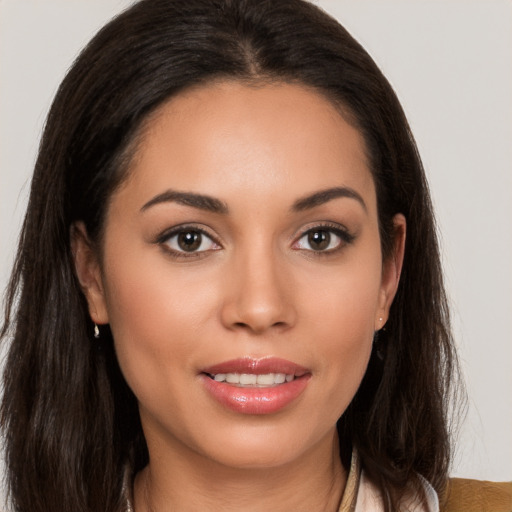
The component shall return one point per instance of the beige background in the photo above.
(451, 65)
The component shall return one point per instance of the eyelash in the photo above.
(164, 241)
(345, 238)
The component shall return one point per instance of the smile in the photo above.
(255, 386)
(252, 379)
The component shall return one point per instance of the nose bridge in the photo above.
(258, 294)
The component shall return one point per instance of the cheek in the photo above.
(341, 315)
(346, 353)
(344, 337)
(342, 303)
(155, 316)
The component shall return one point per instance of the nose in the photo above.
(258, 295)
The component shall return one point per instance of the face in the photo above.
(241, 273)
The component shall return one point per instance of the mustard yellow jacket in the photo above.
(465, 495)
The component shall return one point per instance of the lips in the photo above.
(257, 366)
(255, 386)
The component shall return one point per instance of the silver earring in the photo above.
(96, 331)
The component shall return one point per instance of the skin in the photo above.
(257, 287)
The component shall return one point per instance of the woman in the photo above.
(219, 307)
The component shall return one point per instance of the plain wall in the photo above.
(450, 63)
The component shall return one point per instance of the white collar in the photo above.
(369, 498)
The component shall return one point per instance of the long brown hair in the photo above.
(70, 421)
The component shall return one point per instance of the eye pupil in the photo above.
(319, 240)
(189, 240)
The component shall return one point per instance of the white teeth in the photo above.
(247, 378)
(250, 379)
(266, 379)
(280, 378)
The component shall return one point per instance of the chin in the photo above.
(263, 448)
(267, 457)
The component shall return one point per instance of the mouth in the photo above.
(250, 372)
(256, 386)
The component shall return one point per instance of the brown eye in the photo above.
(319, 240)
(323, 239)
(189, 241)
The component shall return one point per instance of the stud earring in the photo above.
(96, 331)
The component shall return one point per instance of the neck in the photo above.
(315, 482)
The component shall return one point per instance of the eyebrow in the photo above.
(324, 196)
(200, 201)
(212, 204)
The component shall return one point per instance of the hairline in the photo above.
(127, 157)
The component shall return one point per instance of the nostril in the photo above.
(259, 327)
(257, 309)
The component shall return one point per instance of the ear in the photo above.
(391, 269)
(88, 271)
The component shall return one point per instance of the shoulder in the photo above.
(465, 495)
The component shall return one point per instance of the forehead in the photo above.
(276, 139)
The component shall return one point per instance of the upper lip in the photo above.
(257, 366)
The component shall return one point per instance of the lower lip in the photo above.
(247, 400)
